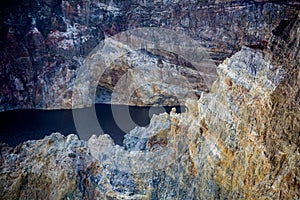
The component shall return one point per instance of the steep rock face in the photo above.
(222, 26)
(43, 43)
(147, 76)
(241, 141)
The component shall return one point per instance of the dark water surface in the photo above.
(17, 126)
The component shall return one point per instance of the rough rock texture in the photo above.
(43, 42)
(148, 76)
(241, 141)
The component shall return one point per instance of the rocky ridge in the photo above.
(43, 43)
(241, 141)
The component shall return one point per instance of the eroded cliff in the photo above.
(43, 43)
(241, 141)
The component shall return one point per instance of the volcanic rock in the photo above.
(43, 43)
(241, 141)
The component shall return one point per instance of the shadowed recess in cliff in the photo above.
(21, 125)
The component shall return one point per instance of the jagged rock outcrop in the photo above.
(43, 43)
(167, 70)
(241, 141)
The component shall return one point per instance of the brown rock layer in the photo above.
(43, 43)
(241, 141)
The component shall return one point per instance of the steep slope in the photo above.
(44, 42)
(241, 141)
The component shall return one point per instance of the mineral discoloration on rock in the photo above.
(43, 43)
(136, 76)
(241, 141)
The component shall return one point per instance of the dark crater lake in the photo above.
(21, 125)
